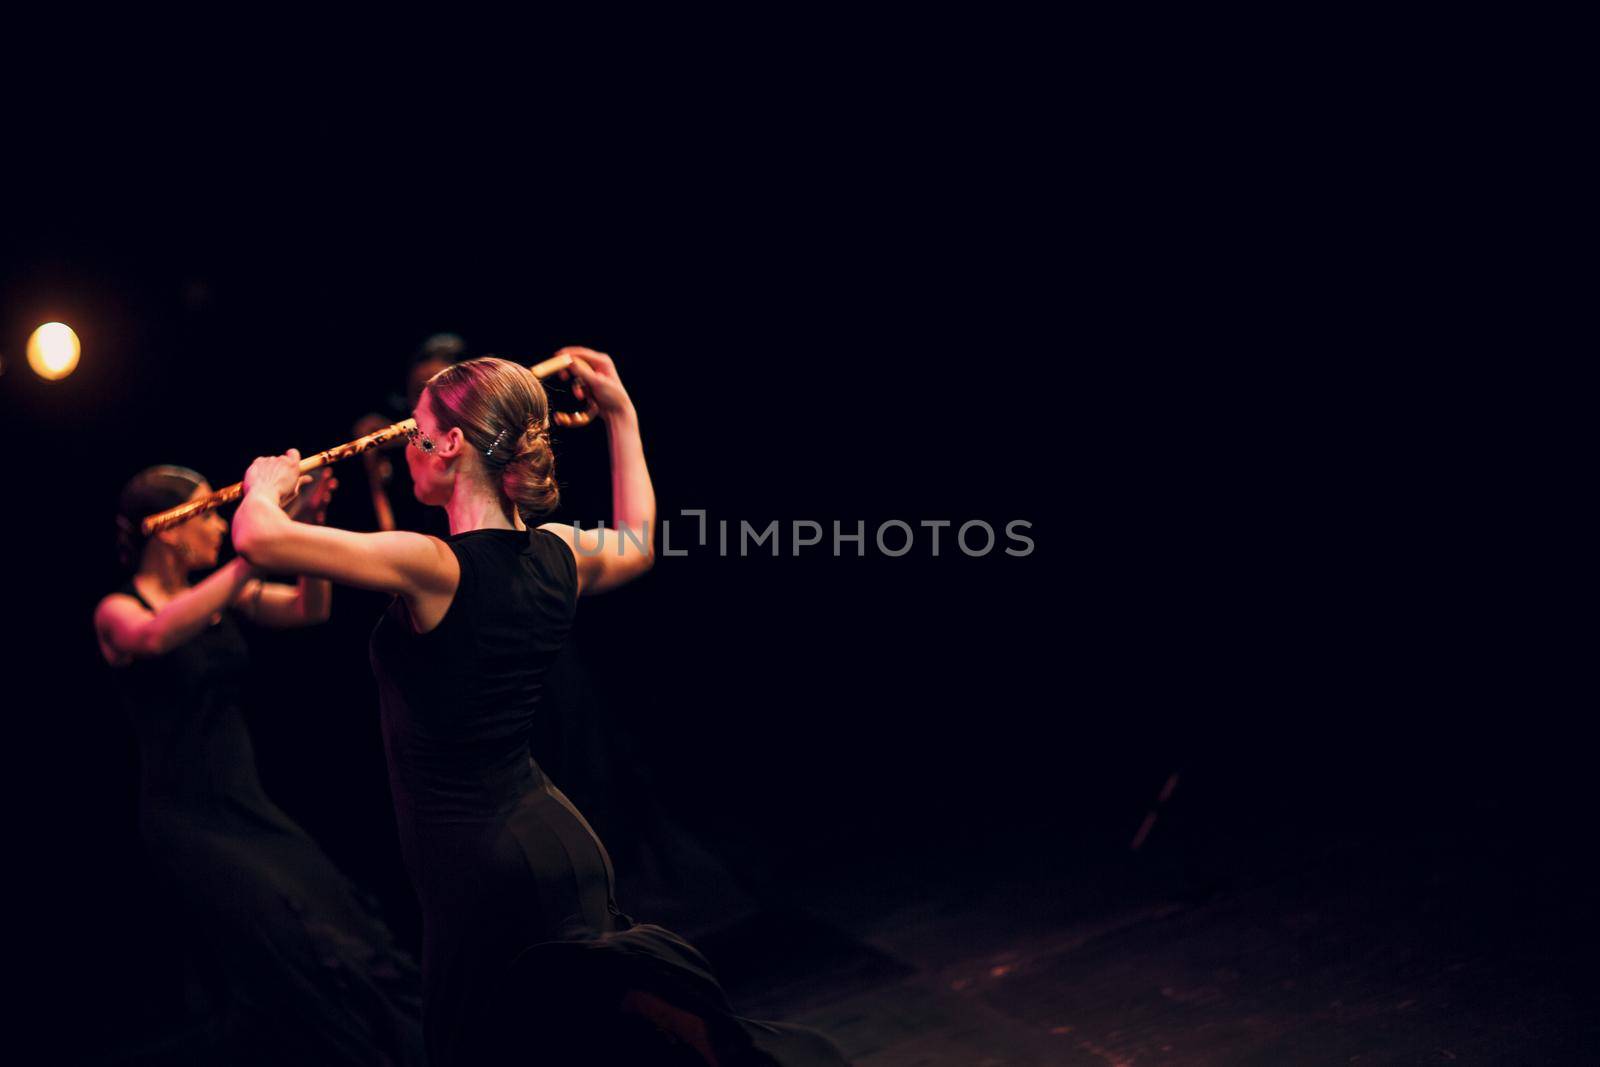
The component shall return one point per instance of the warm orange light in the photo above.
(53, 351)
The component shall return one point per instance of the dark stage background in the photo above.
(797, 713)
(1229, 578)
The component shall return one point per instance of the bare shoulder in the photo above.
(563, 531)
(438, 560)
(118, 605)
(582, 562)
(426, 564)
(116, 618)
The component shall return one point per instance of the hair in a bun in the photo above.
(501, 410)
(529, 477)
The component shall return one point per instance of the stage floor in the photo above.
(1424, 945)
(1460, 940)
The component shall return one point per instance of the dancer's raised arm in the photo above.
(397, 561)
(611, 557)
(128, 630)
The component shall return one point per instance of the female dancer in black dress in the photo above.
(525, 955)
(311, 975)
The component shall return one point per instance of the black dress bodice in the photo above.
(459, 701)
(187, 711)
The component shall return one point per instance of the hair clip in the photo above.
(490, 452)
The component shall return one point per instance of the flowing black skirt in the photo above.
(309, 972)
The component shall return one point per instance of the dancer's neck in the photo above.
(163, 572)
(472, 509)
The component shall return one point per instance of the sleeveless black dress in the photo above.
(526, 958)
(311, 974)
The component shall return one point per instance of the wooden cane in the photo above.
(163, 520)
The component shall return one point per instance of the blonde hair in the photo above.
(502, 412)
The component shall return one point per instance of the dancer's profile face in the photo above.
(199, 540)
(432, 473)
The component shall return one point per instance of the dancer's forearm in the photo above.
(633, 498)
(314, 597)
(187, 614)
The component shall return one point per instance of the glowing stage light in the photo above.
(53, 351)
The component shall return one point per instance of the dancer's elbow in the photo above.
(633, 565)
